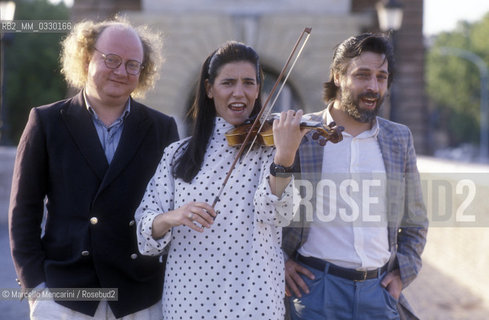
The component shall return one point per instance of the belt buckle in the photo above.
(364, 276)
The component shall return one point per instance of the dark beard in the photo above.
(350, 104)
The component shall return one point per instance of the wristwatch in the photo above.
(281, 171)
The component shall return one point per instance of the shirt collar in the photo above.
(124, 114)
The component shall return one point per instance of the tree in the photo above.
(32, 71)
(453, 83)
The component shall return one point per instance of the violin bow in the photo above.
(306, 33)
(262, 116)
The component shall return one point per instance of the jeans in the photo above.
(336, 298)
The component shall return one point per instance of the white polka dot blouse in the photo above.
(235, 269)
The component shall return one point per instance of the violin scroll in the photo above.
(331, 132)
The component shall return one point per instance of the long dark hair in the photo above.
(353, 47)
(203, 110)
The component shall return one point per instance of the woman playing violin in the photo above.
(223, 262)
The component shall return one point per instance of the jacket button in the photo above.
(134, 256)
(85, 253)
(131, 223)
(93, 220)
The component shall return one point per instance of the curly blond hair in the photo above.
(78, 48)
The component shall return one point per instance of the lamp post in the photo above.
(390, 15)
(484, 100)
(7, 10)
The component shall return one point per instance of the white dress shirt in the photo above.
(349, 227)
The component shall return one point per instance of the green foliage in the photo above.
(453, 83)
(32, 71)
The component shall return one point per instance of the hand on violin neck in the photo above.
(287, 135)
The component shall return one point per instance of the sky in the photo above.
(439, 15)
(443, 15)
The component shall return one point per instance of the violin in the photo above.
(322, 133)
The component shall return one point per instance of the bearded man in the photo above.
(363, 223)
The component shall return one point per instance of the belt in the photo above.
(350, 274)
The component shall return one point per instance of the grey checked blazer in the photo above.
(408, 222)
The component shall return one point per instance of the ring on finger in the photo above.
(190, 215)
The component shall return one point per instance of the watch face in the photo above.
(279, 169)
(276, 169)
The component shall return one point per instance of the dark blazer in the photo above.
(89, 239)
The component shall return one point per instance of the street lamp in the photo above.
(7, 10)
(484, 99)
(390, 15)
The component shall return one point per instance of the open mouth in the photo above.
(369, 99)
(238, 107)
(369, 102)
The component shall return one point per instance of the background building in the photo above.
(193, 28)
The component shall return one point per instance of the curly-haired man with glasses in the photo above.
(87, 160)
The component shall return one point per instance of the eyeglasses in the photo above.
(113, 61)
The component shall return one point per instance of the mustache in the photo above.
(369, 95)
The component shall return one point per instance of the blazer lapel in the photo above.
(79, 123)
(135, 129)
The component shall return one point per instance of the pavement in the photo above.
(436, 296)
(10, 308)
